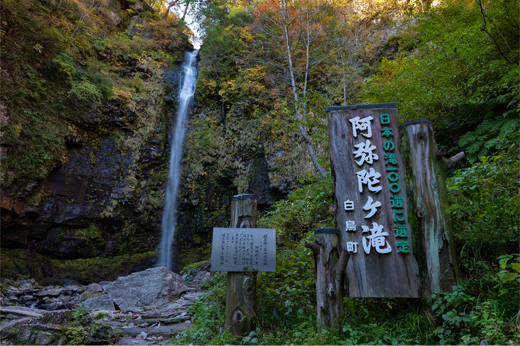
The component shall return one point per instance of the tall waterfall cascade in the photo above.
(169, 216)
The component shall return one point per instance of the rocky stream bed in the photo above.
(144, 308)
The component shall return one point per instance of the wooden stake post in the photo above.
(425, 172)
(329, 266)
(241, 286)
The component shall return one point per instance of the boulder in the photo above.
(138, 6)
(47, 306)
(25, 334)
(26, 284)
(103, 302)
(113, 18)
(44, 338)
(151, 288)
(95, 288)
(101, 334)
(21, 310)
(73, 288)
(53, 292)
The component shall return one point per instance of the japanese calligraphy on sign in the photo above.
(242, 249)
(369, 184)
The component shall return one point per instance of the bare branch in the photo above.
(456, 159)
(485, 15)
(314, 247)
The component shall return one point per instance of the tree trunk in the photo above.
(241, 286)
(170, 5)
(425, 172)
(185, 10)
(329, 267)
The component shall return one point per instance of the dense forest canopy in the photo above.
(268, 69)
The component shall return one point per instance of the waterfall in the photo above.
(169, 217)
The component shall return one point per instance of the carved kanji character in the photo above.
(352, 246)
(372, 206)
(376, 239)
(370, 179)
(400, 231)
(362, 125)
(366, 152)
(348, 204)
(386, 132)
(385, 118)
(403, 247)
(390, 159)
(397, 201)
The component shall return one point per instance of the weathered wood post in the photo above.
(330, 262)
(241, 286)
(425, 171)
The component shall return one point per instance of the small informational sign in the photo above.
(370, 191)
(243, 249)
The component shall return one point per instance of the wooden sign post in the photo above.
(242, 250)
(427, 199)
(372, 215)
(241, 286)
(330, 262)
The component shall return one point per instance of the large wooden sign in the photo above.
(370, 193)
(242, 249)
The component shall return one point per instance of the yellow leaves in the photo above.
(229, 28)
(208, 82)
(227, 86)
(38, 48)
(230, 83)
(245, 34)
(390, 67)
(255, 73)
(121, 94)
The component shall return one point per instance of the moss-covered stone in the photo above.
(19, 263)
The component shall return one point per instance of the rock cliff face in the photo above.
(83, 203)
(105, 199)
(97, 215)
(82, 192)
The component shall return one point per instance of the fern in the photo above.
(493, 133)
(489, 136)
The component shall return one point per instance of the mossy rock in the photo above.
(193, 259)
(19, 263)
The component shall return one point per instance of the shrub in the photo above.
(485, 203)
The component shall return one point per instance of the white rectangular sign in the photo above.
(243, 249)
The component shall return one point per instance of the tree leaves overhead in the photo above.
(457, 71)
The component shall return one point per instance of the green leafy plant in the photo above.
(466, 318)
(484, 202)
(100, 315)
(306, 209)
(510, 271)
(76, 335)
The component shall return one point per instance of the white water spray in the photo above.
(169, 216)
